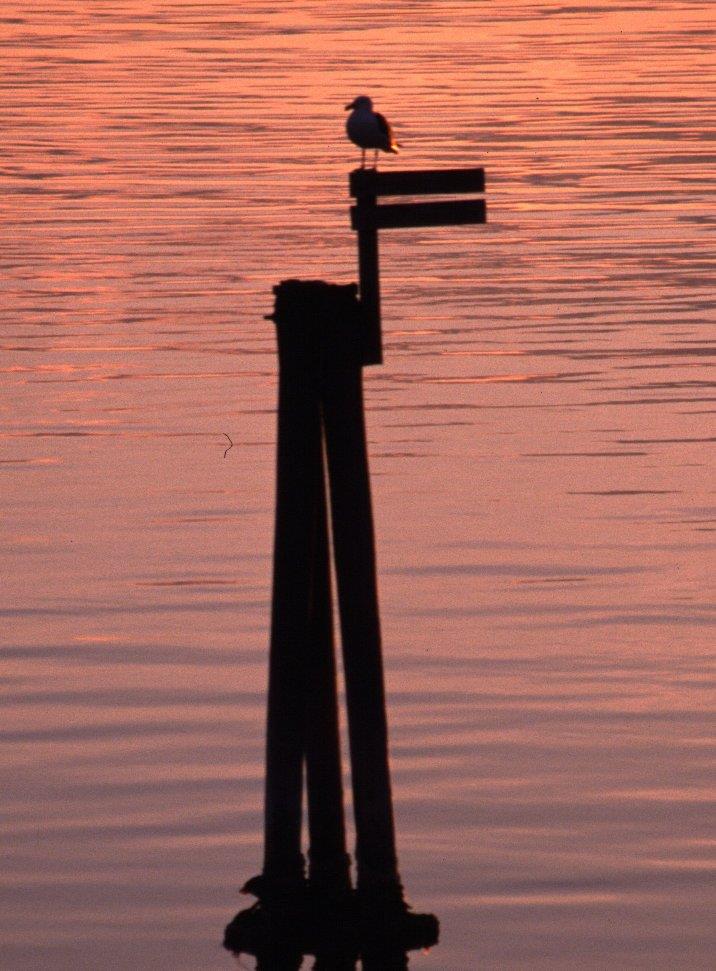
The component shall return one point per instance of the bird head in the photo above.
(362, 101)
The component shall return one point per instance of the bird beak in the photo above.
(351, 105)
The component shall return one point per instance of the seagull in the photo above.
(369, 129)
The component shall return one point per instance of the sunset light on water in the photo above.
(539, 440)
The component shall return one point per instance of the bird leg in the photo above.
(362, 159)
(375, 158)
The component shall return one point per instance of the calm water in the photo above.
(539, 436)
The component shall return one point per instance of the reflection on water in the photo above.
(540, 439)
(290, 960)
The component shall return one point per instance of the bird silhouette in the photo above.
(369, 129)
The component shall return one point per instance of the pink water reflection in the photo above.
(539, 437)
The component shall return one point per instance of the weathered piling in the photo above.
(325, 337)
(302, 721)
(328, 862)
(322, 467)
(354, 550)
(298, 455)
(369, 274)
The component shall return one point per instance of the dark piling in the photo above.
(322, 466)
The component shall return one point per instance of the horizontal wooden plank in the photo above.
(410, 214)
(416, 182)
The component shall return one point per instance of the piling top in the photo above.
(315, 316)
(297, 298)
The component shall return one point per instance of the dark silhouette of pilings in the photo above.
(354, 552)
(302, 710)
(328, 860)
(325, 336)
(369, 273)
(321, 400)
(322, 466)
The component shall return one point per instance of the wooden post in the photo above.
(369, 276)
(367, 218)
(302, 718)
(354, 550)
(329, 864)
(320, 387)
(298, 470)
(325, 336)
(321, 341)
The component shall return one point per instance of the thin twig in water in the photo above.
(231, 444)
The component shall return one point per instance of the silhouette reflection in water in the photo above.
(278, 960)
(275, 959)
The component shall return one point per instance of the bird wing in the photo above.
(386, 130)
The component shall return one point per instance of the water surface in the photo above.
(540, 443)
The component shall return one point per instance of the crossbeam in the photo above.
(406, 215)
(416, 182)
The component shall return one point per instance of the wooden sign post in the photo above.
(367, 217)
(325, 337)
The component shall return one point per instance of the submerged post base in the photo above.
(344, 927)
